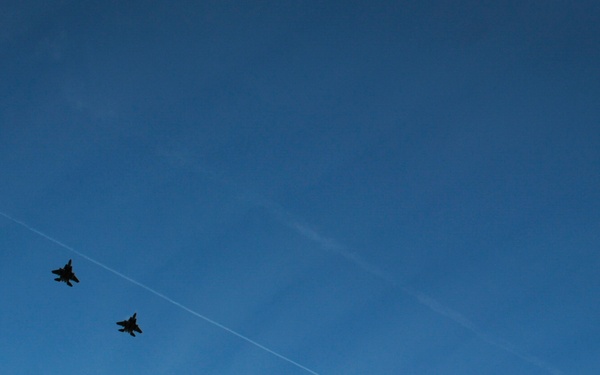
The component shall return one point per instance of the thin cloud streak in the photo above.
(158, 294)
(352, 257)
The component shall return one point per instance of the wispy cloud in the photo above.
(334, 246)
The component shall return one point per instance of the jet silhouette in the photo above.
(66, 274)
(130, 325)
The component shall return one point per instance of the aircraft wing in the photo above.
(137, 329)
(123, 323)
(74, 278)
(57, 272)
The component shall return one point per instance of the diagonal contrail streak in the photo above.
(158, 294)
(352, 257)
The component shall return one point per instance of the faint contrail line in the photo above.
(333, 246)
(160, 295)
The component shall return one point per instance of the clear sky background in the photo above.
(361, 187)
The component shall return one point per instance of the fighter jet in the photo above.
(130, 325)
(66, 274)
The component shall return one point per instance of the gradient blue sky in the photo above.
(362, 187)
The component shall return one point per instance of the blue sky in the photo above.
(359, 187)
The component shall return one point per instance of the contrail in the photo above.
(332, 245)
(183, 307)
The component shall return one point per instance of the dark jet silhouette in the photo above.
(66, 274)
(130, 325)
